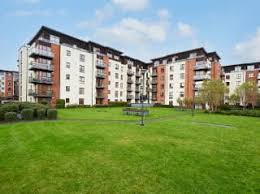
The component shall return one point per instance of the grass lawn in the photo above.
(102, 151)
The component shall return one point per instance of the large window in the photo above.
(67, 88)
(67, 76)
(81, 79)
(81, 91)
(82, 58)
(68, 53)
(82, 69)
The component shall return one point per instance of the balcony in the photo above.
(130, 73)
(137, 82)
(129, 81)
(100, 96)
(201, 77)
(154, 90)
(138, 74)
(100, 64)
(100, 86)
(137, 97)
(130, 97)
(154, 98)
(42, 80)
(129, 89)
(201, 66)
(100, 75)
(154, 81)
(137, 90)
(197, 87)
(42, 39)
(36, 52)
(40, 94)
(154, 74)
(41, 66)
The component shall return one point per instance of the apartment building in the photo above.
(237, 74)
(180, 75)
(8, 85)
(54, 65)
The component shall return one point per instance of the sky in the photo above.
(143, 29)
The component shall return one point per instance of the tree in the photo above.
(180, 102)
(188, 102)
(234, 99)
(212, 93)
(248, 93)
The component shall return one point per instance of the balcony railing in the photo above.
(154, 74)
(42, 80)
(138, 74)
(130, 97)
(129, 72)
(137, 90)
(40, 52)
(100, 75)
(100, 86)
(100, 64)
(154, 98)
(129, 89)
(130, 81)
(41, 66)
(42, 94)
(100, 96)
(137, 82)
(44, 40)
(201, 77)
(154, 90)
(137, 97)
(154, 81)
(200, 66)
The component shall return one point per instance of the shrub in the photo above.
(41, 113)
(60, 103)
(28, 105)
(117, 104)
(78, 106)
(10, 116)
(52, 114)
(7, 108)
(27, 114)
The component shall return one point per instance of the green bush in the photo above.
(251, 113)
(41, 114)
(27, 114)
(7, 108)
(78, 106)
(52, 114)
(60, 103)
(29, 105)
(117, 104)
(10, 116)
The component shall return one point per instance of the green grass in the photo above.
(102, 151)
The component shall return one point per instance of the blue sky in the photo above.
(141, 28)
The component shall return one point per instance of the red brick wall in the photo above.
(161, 82)
(189, 78)
(56, 73)
(215, 71)
(9, 85)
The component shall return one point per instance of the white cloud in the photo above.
(185, 30)
(101, 15)
(44, 13)
(163, 13)
(249, 50)
(131, 5)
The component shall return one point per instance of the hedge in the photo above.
(52, 114)
(60, 103)
(8, 108)
(27, 114)
(10, 116)
(251, 113)
(117, 104)
(78, 106)
(41, 114)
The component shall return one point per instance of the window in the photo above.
(181, 85)
(237, 83)
(68, 53)
(121, 94)
(121, 77)
(81, 91)
(116, 94)
(67, 88)
(54, 39)
(67, 76)
(68, 65)
(171, 68)
(117, 85)
(121, 85)
(182, 67)
(82, 79)
(227, 76)
(162, 70)
(122, 68)
(171, 77)
(116, 75)
(67, 100)
(238, 68)
(82, 69)
(82, 58)
(170, 85)
(171, 95)
(182, 94)
(251, 67)
(81, 101)
(117, 66)
(182, 76)
(251, 75)
(239, 76)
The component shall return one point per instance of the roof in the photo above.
(241, 64)
(179, 53)
(214, 54)
(10, 71)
